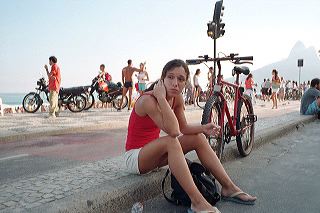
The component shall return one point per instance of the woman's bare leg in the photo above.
(210, 160)
(168, 149)
(273, 99)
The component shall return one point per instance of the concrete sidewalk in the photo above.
(105, 186)
(21, 126)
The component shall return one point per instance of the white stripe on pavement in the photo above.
(15, 156)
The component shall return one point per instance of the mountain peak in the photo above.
(297, 49)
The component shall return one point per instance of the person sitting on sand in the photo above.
(161, 107)
(310, 101)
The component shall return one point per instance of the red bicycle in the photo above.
(241, 124)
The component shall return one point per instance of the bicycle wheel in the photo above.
(245, 123)
(202, 98)
(76, 103)
(212, 113)
(31, 102)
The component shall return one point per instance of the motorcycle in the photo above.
(72, 98)
(108, 92)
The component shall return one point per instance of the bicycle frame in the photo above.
(224, 108)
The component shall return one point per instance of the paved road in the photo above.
(284, 175)
(49, 153)
(22, 159)
(54, 167)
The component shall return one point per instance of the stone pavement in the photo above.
(103, 185)
(30, 125)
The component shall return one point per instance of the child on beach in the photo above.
(161, 107)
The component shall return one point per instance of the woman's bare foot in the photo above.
(204, 207)
(227, 192)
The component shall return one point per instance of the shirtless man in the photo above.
(127, 73)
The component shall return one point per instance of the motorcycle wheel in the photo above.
(31, 102)
(76, 103)
(89, 101)
(116, 102)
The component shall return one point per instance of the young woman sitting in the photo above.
(161, 107)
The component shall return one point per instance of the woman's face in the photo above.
(175, 81)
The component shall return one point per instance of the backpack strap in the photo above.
(176, 202)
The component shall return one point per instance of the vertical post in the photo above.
(215, 63)
(299, 76)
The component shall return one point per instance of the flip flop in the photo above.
(234, 198)
(210, 211)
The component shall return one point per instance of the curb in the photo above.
(62, 131)
(119, 195)
(267, 135)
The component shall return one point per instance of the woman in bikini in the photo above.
(161, 107)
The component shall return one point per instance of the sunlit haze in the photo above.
(84, 34)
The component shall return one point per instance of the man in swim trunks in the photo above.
(127, 73)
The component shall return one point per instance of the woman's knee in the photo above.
(173, 143)
(202, 140)
(199, 140)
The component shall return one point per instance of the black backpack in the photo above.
(204, 181)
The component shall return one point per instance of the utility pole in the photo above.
(300, 64)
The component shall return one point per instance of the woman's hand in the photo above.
(159, 90)
(211, 129)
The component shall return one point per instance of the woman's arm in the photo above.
(185, 128)
(158, 109)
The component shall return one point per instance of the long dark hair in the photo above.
(169, 66)
(249, 76)
(276, 77)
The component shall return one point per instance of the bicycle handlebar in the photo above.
(231, 58)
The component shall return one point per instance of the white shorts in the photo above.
(132, 162)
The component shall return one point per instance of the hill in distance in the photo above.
(288, 68)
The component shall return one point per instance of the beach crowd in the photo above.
(276, 90)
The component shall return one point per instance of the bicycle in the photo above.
(241, 124)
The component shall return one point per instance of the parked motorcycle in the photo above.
(110, 93)
(72, 98)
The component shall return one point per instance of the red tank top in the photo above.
(141, 131)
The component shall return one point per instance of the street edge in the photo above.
(144, 188)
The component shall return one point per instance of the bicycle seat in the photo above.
(243, 69)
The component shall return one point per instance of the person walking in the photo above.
(54, 86)
(188, 91)
(142, 78)
(249, 84)
(127, 73)
(197, 88)
(264, 89)
(275, 83)
(269, 90)
(282, 89)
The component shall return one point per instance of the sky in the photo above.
(83, 34)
